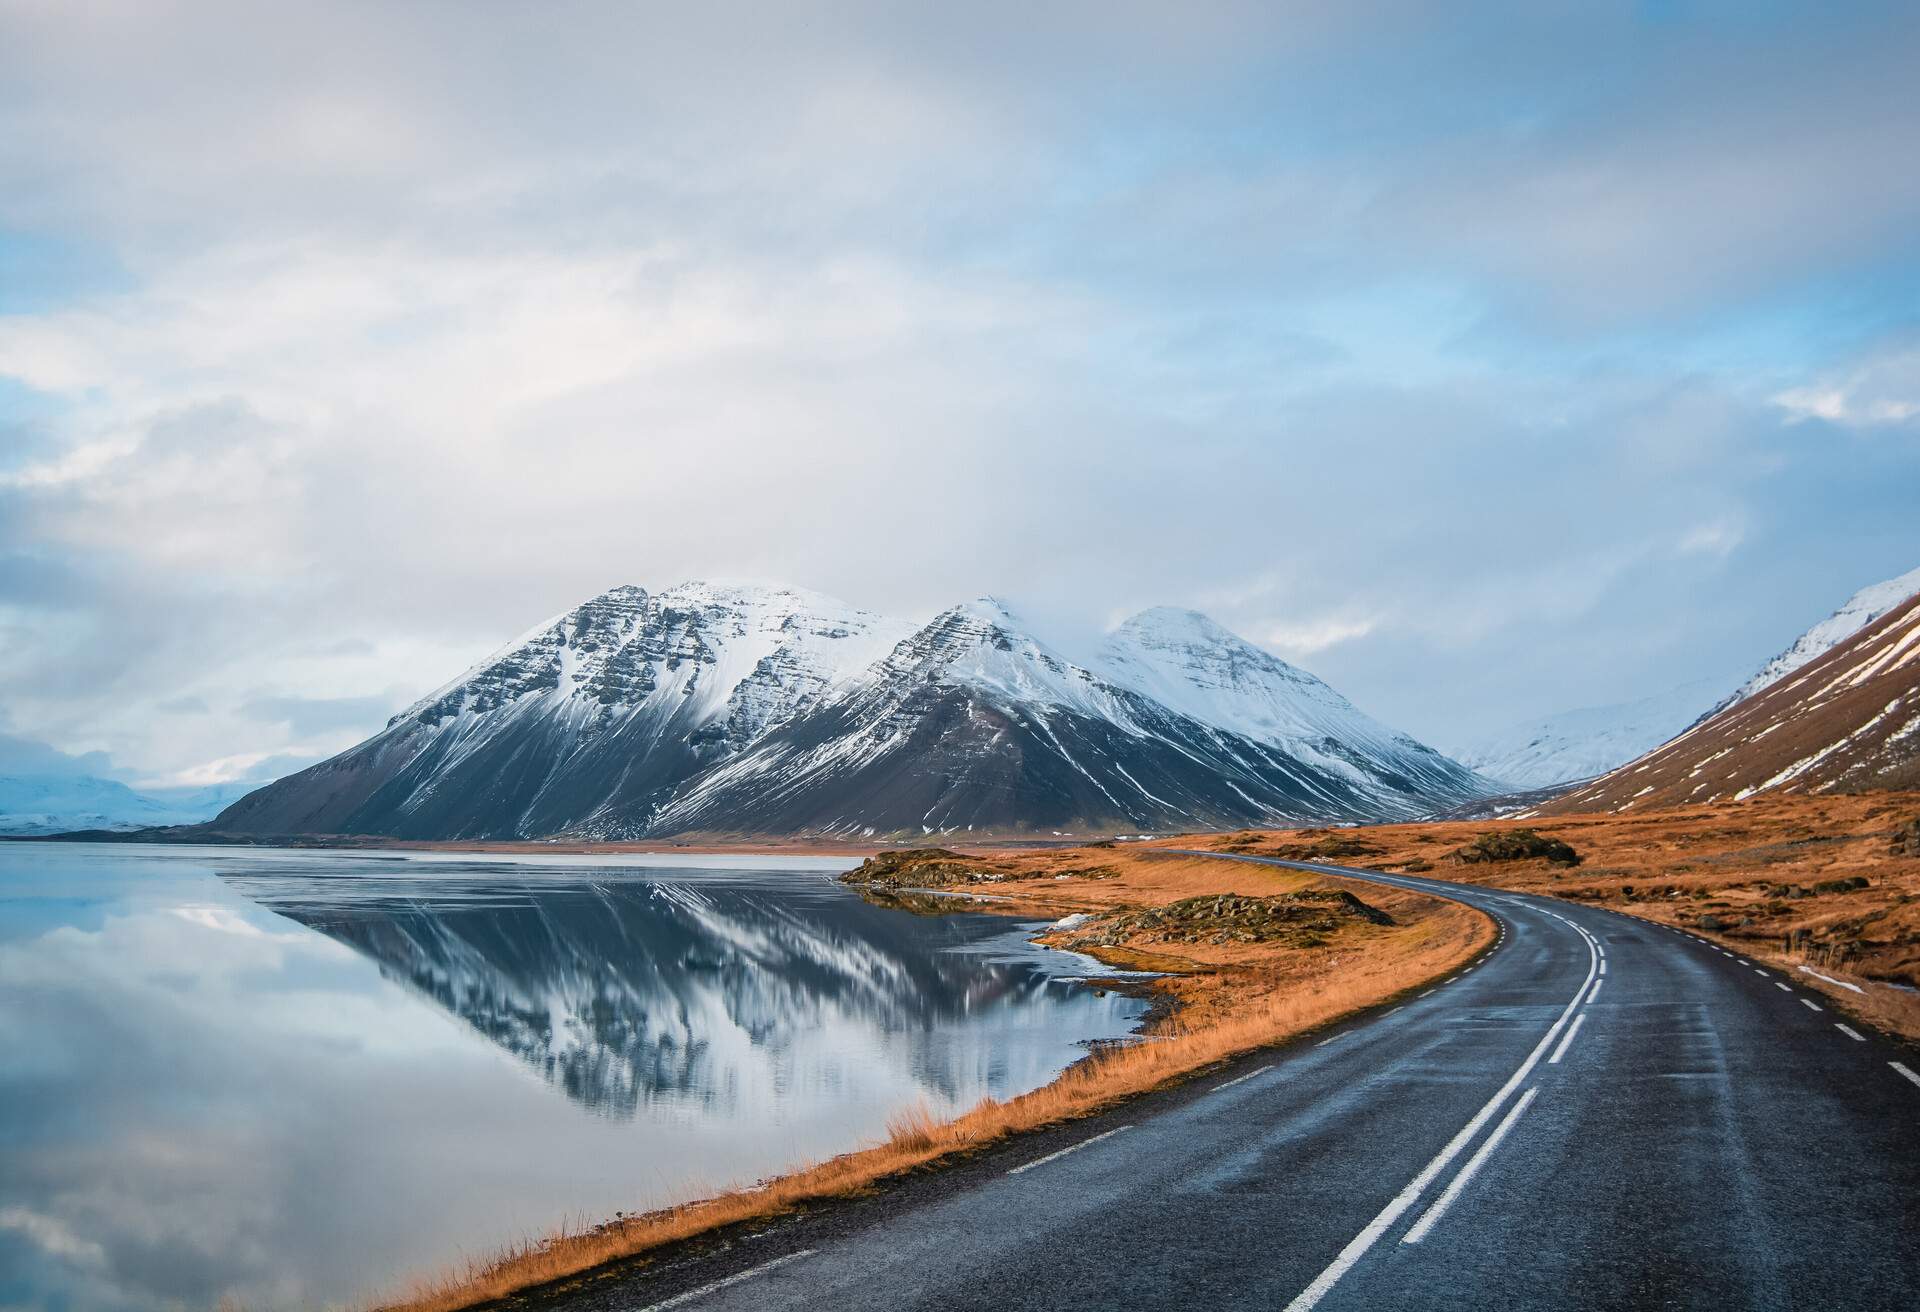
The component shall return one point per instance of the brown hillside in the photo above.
(1847, 722)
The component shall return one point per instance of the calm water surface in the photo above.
(293, 1078)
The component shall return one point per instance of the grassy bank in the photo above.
(1828, 882)
(1254, 956)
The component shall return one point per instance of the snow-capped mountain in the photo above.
(757, 711)
(1187, 662)
(1586, 743)
(61, 803)
(588, 723)
(1590, 741)
(1847, 720)
(1860, 610)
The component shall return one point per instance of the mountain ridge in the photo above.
(1574, 746)
(1847, 720)
(726, 708)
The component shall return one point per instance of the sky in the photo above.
(1486, 360)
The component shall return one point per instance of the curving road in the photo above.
(1601, 1113)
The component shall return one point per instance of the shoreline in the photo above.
(1216, 1003)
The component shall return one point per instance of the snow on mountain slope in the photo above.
(1186, 661)
(586, 724)
(1860, 610)
(1585, 743)
(975, 724)
(1848, 720)
(1590, 741)
(59, 803)
(757, 710)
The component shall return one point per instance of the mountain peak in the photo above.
(1860, 610)
(738, 706)
(1168, 625)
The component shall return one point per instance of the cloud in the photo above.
(52, 1236)
(1880, 391)
(1304, 638)
(20, 755)
(1716, 538)
(377, 334)
(306, 716)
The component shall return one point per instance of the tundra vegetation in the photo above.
(1830, 882)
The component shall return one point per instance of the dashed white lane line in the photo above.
(1905, 1073)
(1761, 973)
(681, 1300)
(1809, 1002)
(1572, 1030)
(1472, 1168)
(1603, 968)
(1850, 1032)
(1324, 1042)
(1596, 990)
(1425, 994)
(1071, 1148)
(1782, 987)
(1240, 1079)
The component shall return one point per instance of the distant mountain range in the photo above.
(1583, 744)
(1847, 719)
(54, 803)
(747, 710)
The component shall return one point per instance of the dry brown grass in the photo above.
(1743, 873)
(1232, 998)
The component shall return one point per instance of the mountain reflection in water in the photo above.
(283, 1078)
(680, 987)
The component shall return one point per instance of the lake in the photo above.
(293, 1078)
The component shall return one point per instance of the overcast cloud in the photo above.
(1487, 361)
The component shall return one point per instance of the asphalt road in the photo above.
(1601, 1113)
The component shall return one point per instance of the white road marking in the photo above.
(1572, 1030)
(1071, 1148)
(1784, 988)
(1603, 967)
(1425, 994)
(1905, 1073)
(680, 1300)
(1809, 1002)
(1761, 973)
(1474, 1163)
(1324, 1042)
(1228, 1084)
(1596, 990)
(1401, 1007)
(1357, 1246)
(1831, 980)
(1853, 1034)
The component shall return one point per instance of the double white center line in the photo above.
(1567, 1041)
(1474, 1163)
(1357, 1247)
